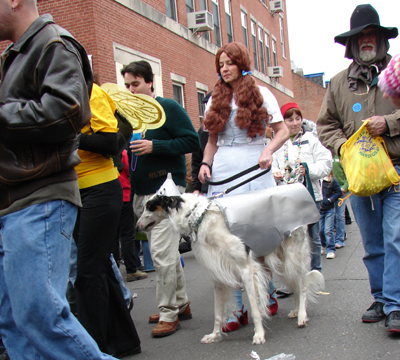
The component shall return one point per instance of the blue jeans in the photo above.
(125, 291)
(326, 223)
(313, 232)
(378, 218)
(340, 222)
(36, 321)
(147, 260)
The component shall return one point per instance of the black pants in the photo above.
(100, 303)
(127, 238)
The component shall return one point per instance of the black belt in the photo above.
(236, 176)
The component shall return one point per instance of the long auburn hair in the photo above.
(250, 113)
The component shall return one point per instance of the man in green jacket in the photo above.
(352, 97)
(158, 153)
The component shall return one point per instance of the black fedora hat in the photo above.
(363, 16)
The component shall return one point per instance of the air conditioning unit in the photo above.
(275, 71)
(276, 6)
(200, 21)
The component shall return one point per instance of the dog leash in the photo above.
(236, 176)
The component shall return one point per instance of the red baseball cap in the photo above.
(287, 107)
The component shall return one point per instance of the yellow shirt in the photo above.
(96, 169)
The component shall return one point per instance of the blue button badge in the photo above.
(357, 107)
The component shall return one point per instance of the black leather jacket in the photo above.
(45, 87)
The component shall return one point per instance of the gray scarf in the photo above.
(362, 70)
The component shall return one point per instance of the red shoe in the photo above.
(272, 308)
(242, 319)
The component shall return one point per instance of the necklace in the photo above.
(291, 175)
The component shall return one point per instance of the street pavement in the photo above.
(334, 330)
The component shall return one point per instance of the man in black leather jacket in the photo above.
(45, 86)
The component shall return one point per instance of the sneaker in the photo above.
(138, 275)
(338, 246)
(323, 250)
(330, 255)
(393, 322)
(374, 313)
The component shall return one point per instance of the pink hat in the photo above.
(389, 80)
(287, 107)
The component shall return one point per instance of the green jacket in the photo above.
(338, 173)
(171, 142)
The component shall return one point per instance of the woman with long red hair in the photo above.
(236, 118)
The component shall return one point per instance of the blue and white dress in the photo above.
(237, 152)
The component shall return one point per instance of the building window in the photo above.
(265, 2)
(228, 20)
(178, 93)
(260, 40)
(274, 52)
(217, 27)
(189, 6)
(170, 6)
(267, 49)
(282, 36)
(244, 28)
(203, 6)
(254, 38)
(200, 99)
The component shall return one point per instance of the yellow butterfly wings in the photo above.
(142, 111)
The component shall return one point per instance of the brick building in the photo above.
(309, 95)
(116, 32)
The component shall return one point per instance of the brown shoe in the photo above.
(138, 275)
(164, 328)
(184, 315)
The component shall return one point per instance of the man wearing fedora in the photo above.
(352, 97)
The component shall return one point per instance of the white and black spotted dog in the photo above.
(230, 263)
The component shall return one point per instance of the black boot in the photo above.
(347, 216)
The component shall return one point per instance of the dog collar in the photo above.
(196, 215)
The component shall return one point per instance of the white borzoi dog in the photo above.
(230, 263)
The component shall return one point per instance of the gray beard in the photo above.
(367, 55)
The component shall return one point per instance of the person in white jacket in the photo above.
(303, 159)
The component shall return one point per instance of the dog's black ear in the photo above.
(153, 203)
(171, 202)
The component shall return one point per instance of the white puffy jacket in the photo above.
(312, 152)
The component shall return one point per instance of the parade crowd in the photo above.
(70, 194)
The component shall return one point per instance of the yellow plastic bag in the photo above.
(366, 163)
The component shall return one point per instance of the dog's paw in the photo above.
(258, 339)
(302, 320)
(211, 338)
(292, 314)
